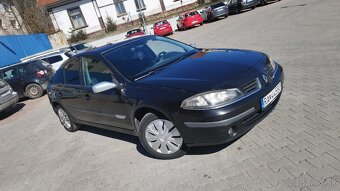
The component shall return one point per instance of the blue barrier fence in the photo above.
(15, 47)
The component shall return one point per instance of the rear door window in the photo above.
(12, 73)
(71, 72)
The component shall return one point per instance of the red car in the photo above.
(134, 32)
(188, 20)
(162, 28)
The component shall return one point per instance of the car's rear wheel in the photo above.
(160, 138)
(33, 91)
(66, 120)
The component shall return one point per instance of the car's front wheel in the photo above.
(66, 120)
(160, 138)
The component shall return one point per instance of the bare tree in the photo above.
(35, 18)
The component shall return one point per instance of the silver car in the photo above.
(8, 98)
(215, 11)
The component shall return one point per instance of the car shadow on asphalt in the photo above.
(9, 113)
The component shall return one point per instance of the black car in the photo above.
(28, 79)
(168, 93)
(237, 6)
(265, 2)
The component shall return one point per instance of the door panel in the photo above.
(109, 107)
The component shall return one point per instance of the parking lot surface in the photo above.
(297, 147)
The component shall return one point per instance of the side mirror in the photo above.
(103, 86)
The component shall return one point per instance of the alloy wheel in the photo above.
(64, 118)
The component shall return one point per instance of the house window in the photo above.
(140, 5)
(120, 8)
(77, 18)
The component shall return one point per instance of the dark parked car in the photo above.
(168, 93)
(8, 97)
(265, 2)
(237, 6)
(215, 11)
(28, 79)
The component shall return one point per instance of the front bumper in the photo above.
(222, 125)
(9, 101)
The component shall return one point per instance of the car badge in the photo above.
(265, 78)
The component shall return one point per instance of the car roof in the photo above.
(111, 45)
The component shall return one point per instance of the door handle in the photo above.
(87, 97)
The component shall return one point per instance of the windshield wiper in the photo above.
(150, 72)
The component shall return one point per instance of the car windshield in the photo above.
(134, 31)
(192, 13)
(144, 55)
(2, 84)
(217, 5)
(161, 23)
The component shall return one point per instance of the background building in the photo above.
(10, 20)
(90, 15)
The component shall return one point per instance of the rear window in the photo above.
(134, 31)
(53, 59)
(161, 23)
(38, 65)
(221, 4)
(192, 13)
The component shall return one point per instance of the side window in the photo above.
(95, 71)
(53, 59)
(71, 72)
(12, 73)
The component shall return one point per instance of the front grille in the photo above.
(250, 87)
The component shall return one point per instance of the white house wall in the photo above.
(170, 4)
(107, 8)
(89, 13)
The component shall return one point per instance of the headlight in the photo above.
(209, 100)
(272, 63)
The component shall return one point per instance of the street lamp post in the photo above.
(142, 15)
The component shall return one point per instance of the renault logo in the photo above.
(265, 78)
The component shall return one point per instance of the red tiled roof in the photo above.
(46, 2)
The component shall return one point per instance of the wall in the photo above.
(58, 40)
(15, 47)
(63, 22)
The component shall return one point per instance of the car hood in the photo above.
(208, 70)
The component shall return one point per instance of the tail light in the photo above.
(40, 73)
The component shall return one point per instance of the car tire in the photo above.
(33, 91)
(66, 120)
(237, 11)
(160, 138)
(179, 29)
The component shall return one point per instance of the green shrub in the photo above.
(110, 24)
(77, 35)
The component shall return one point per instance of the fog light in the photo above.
(231, 132)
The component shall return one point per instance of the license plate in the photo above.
(193, 22)
(269, 98)
(162, 28)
